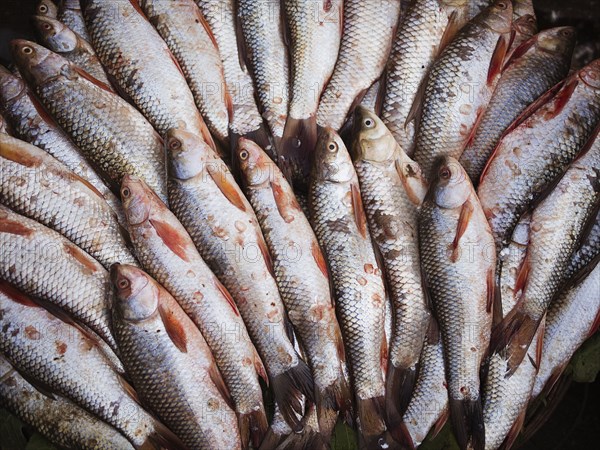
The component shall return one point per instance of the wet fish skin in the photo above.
(307, 298)
(110, 132)
(415, 47)
(70, 14)
(188, 36)
(526, 78)
(267, 53)
(222, 224)
(369, 29)
(340, 225)
(588, 252)
(38, 186)
(59, 420)
(29, 123)
(167, 253)
(557, 226)
(63, 361)
(458, 260)
(315, 28)
(141, 65)
(392, 189)
(460, 84)
(545, 144)
(182, 385)
(62, 40)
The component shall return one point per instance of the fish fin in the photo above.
(287, 205)
(172, 238)
(317, 255)
(288, 388)
(467, 422)
(371, 413)
(253, 428)
(400, 382)
(514, 431)
(358, 210)
(383, 354)
(39, 385)
(83, 258)
(452, 27)
(560, 100)
(491, 291)
(298, 147)
(17, 296)
(520, 51)
(119, 90)
(39, 108)
(539, 343)
(414, 114)
(439, 424)
(204, 23)
(271, 441)
(173, 328)
(586, 148)
(337, 397)
(226, 295)
(497, 60)
(163, 438)
(307, 439)
(83, 74)
(582, 274)
(259, 367)
(217, 379)
(229, 189)
(241, 42)
(128, 388)
(466, 213)
(264, 250)
(497, 311)
(402, 436)
(523, 275)
(474, 128)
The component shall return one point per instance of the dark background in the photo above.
(575, 424)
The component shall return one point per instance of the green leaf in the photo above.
(586, 361)
(344, 437)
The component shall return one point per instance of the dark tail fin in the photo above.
(467, 422)
(163, 438)
(400, 382)
(297, 150)
(308, 439)
(253, 428)
(403, 437)
(334, 399)
(288, 389)
(370, 413)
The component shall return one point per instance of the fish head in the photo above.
(47, 8)
(560, 40)
(450, 187)
(11, 86)
(590, 74)
(36, 63)
(522, 8)
(186, 153)
(498, 16)
(255, 165)
(137, 297)
(526, 25)
(373, 141)
(332, 160)
(55, 34)
(137, 199)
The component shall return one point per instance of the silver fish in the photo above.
(588, 252)
(70, 14)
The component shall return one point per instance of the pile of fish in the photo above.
(234, 224)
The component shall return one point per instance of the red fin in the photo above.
(47, 118)
(83, 258)
(520, 51)
(561, 99)
(491, 290)
(225, 293)
(17, 155)
(260, 368)
(253, 428)
(172, 238)
(515, 333)
(202, 20)
(319, 259)
(228, 188)
(83, 74)
(497, 61)
(286, 205)
(173, 327)
(217, 379)
(402, 436)
(17, 296)
(14, 227)
(383, 353)
(514, 431)
(475, 127)
(138, 8)
(359, 212)
(89, 185)
(466, 213)
(523, 275)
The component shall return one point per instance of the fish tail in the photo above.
(288, 389)
(330, 400)
(467, 421)
(402, 436)
(162, 438)
(370, 413)
(253, 427)
(308, 439)
(297, 147)
(271, 440)
(400, 382)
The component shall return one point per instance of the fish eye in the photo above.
(502, 5)
(43, 8)
(125, 192)
(567, 33)
(445, 173)
(332, 147)
(123, 283)
(244, 155)
(174, 144)
(369, 123)
(27, 50)
(47, 26)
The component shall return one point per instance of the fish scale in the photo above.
(70, 14)
(587, 252)
(366, 43)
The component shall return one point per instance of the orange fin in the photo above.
(229, 189)
(466, 213)
(81, 257)
(523, 275)
(172, 238)
(491, 290)
(439, 424)
(497, 61)
(10, 226)
(138, 8)
(173, 328)
(83, 74)
(561, 99)
(225, 293)
(17, 296)
(286, 205)
(260, 368)
(202, 20)
(39, 108)
(520, 51)
(319, 258)
(475, 127)
(359, 212)
(217, 379)
(540, 342)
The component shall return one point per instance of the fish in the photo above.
(141, 66)
(170, 363)
(59, 360)
(47, 8)
(30, 122)
(168, 254)
(588, 252)
(537, 66)
(45, 264)
(423, 30)
(524, 28)
(315, 34)
(59, 420)
(190, 39)
(557, 225)
(460, 84)
(62, 40)
(392, 189)
(36, 185)
(573, 317)
(310, 437)
(458, 261)
(369, 29)
(245, 119)
(303, 279)
(428, 407)
(536, 151)
(70, 14)
(505, 400)
(110, 132)
(522, 8)
(267, 57)
(5, 127)
(211, 206)
(340, 225)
